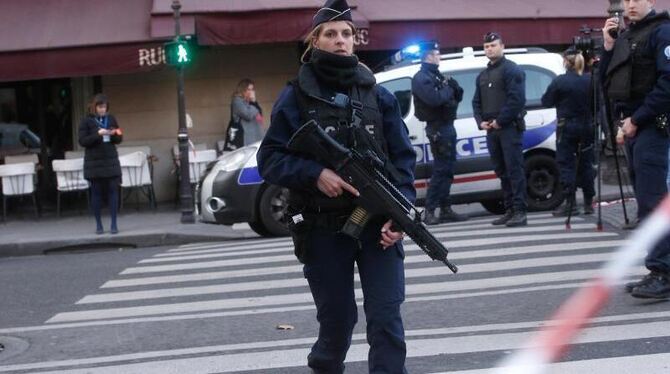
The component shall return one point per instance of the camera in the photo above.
(589, 42)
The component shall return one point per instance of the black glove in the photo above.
(458, 91)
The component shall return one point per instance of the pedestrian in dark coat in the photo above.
(99, 133)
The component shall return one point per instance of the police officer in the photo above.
(334, 89)
(498, 104)
(436, 100)
(570, 94)
(636, 70)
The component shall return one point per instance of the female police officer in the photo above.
(569, 93)
(332, 88)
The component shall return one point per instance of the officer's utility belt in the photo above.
(301, 223)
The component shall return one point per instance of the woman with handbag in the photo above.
(99, 133)
(246, 116)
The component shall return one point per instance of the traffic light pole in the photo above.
(185, 191)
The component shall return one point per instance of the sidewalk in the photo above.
(22, 234)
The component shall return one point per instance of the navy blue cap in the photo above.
(332, 10)
(492, 37)
(429, 46)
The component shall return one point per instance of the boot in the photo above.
(429, 217)
(518, 219)
(646, 279)
(448, 215)
(503, 220)
(657, 288)
(588, 205)
(568, 205)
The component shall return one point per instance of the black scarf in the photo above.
(336, 71)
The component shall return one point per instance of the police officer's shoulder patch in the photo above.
(667, 52)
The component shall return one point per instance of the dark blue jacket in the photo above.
(570, 94)
(279, 166)
(515, 90)
(425, 86)
(657, 102)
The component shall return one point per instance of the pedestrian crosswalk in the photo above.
(261, 278)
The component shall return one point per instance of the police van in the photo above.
(233, 191)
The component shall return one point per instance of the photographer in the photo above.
(635, 69)
(498, 106)
(570, 93)
(436, 100)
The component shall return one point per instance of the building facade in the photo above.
(55, 54)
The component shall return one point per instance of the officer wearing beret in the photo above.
(338, 92)
(436, 100)
(570, 94)
(498, 106)
(636, 76)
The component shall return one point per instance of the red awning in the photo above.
(461, 33)
(75, 62)
(283, 25)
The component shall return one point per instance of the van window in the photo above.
(537, 81)
(402, 90)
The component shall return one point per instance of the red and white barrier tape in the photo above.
(553, 340)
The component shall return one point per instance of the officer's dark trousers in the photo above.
(648, 166)
(576, 134)
(329, 269)
(506, 150)
(442, 139)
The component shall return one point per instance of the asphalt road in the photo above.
(215, 307)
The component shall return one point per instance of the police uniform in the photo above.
(500, 94)
(637, 81)
(327, 254)
(436, 101)
(570, 94)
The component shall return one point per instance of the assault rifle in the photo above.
(378, 196)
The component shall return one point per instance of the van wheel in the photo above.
(543, 185)
(271, 210)
(494, 206)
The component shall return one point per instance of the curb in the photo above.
(108, 241)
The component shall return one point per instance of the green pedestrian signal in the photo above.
(178, 52)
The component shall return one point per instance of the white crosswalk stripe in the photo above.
(261, 277)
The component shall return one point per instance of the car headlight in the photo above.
(234, 160)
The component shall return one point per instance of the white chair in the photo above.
(175, 160)
(18, 159)
(135, 175)
(74, 154)
(17, 180)
(69, 178)
(124, 150)
(30, 157)
(191, 148)
(198, 163)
